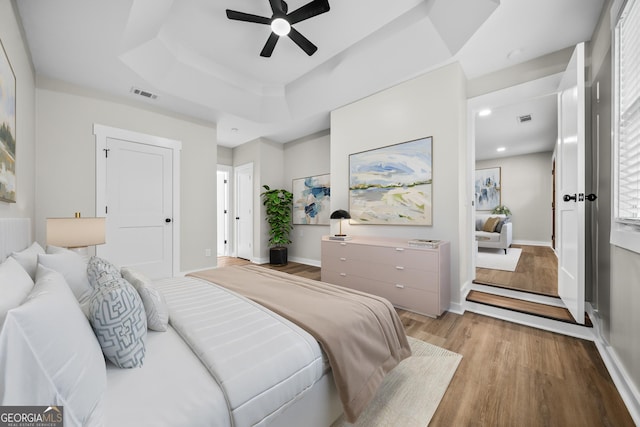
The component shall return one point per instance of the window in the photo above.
(626, 224)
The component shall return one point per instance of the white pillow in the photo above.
(118, 319)
(49, 355)
(154, 303)
(28, 258)
(74, 270)
(15, 285)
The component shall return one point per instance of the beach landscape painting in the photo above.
(392, 185)
(7, 129)
(311, 200)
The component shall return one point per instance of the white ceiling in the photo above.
(202, 65)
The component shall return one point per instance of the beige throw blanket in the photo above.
(361, 334)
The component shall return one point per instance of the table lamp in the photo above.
(76, 233)
(340, 214)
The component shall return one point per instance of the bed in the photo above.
(228, 356)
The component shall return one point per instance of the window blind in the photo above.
(628, 94)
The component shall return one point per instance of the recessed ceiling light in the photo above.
(484, 113)
(501, 149)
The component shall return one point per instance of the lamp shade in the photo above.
(340, 214)
(75, 232)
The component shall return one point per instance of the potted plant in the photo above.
(501, 209)
(279, 204)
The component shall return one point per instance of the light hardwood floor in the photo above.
(537, 272)
(511, 375)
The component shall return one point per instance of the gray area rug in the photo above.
(411, 393)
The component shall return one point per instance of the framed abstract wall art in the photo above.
(311, 196)
(7, 129)
(392, 185)
(487, 189)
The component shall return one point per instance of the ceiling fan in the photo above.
(281, 23)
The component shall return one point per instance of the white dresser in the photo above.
(413, 278)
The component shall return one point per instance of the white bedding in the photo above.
(171, 389)
(262, 362)
(252, 352)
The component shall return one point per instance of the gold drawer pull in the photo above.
(343, 274)
(399, 249)
(399, 286)
(399, 267)
(343, 259)
(343, 244)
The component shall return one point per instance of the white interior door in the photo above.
(223, 212)
(570, 201)
(139, 199)
(244, 211)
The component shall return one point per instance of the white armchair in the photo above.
(500, 238)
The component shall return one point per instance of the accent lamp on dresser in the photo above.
(415, 278)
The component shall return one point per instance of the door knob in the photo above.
(167, 220)
(591, 197)
(568, 198)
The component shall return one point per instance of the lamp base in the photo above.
(340, 237)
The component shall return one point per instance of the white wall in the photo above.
(66, 162)
(618, 299)
(527, 191)
(304, 157)
(225, 156)
(20, 60)
(433, 104)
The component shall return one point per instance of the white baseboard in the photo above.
(619, 375)
(313, 262)
(531, 243)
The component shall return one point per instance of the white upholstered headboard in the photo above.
(15, 235)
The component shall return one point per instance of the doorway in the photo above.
(141, 208)
(223, 185)
(519, 136)
(243, 180)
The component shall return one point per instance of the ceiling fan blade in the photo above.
(307, 11)
(267, 50)
(303, 42)
(247, 17)
(276, 7)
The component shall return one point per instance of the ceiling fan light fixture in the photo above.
(280, 26)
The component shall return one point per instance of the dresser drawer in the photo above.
(394, 274)
(416, 279)
(400, 296)
(425, 260)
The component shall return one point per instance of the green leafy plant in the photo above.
(501, 209)
(279, 204)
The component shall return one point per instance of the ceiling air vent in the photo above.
(144, 93)
(524, 119)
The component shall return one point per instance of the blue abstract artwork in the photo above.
(487, 189)
(311, 196)
(392, 185)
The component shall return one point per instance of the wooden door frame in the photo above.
(102, 133)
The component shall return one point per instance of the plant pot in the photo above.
(278, 255)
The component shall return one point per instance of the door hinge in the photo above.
(106, 209)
